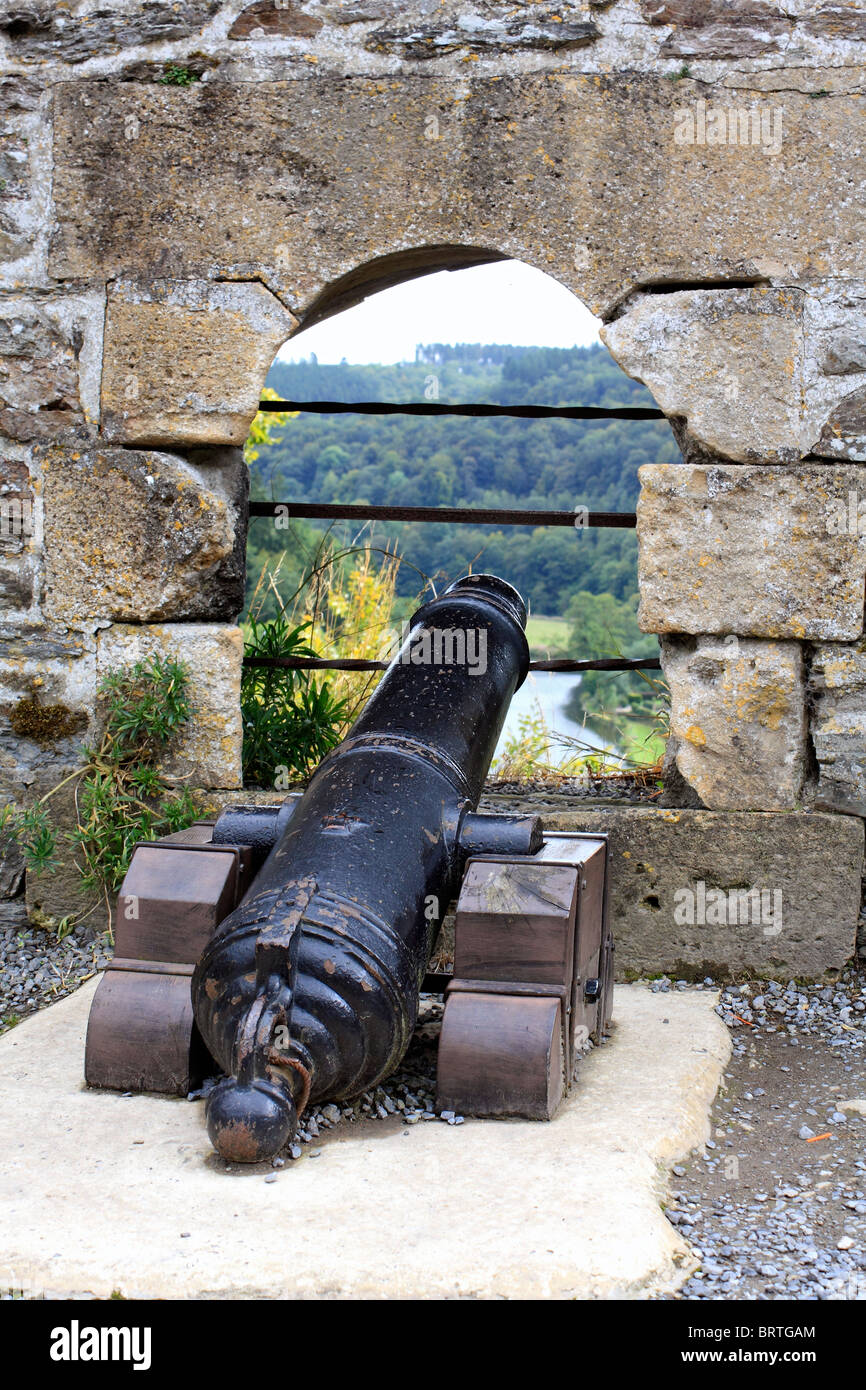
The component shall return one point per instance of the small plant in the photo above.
(266, 423)
(678, 76)
(33, 832)
(290, 721)
(524, 751)
(175, 76)
(343, 607)
(120, 794)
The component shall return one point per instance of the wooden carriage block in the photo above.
(141, 1035)
(516, 921)
(501, 1054)
(173, 897)
(592, 937)
(531, 932)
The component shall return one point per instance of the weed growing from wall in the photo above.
(121, 796)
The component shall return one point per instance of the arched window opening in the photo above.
(501, 336)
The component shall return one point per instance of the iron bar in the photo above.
(461, 516)
(324, 663)
(478, 410)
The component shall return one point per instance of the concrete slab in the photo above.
(100, 1193)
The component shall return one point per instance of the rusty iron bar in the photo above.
(323, 663)
(461, 516)
(478, 410)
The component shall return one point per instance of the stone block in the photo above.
(272, 20)
(185, 363)
(11, 868)
(338, 172)
(38, 376)
(761, 552)
(17, 509)
(720, 28)
(18, 94)
(738, 715)
(838, 688)
(834, 22)
(673, 873)
(142, 537)
(540, 29)
(729, 361)
(55, 893)
(847, 354)
(25, 185)
(50, 365)
(208, 750)
(47, 686)
(43, 31)
(18, 536)
(835, 372)
(17, 583)
(58, 679)
(844, 433)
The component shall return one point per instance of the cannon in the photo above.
(328, 952)
(312, 945)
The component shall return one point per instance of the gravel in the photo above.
(559, 793)
(36, 969)
(774, 1206)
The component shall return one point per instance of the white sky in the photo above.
(506, 302)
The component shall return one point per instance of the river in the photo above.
(549, 690)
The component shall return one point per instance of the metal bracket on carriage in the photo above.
(532, 979)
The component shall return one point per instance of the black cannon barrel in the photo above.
(309, 989)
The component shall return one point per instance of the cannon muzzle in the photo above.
(309, 989)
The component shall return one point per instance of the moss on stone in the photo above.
(45, 723)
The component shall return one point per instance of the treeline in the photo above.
(423, 461)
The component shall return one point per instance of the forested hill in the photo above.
(407, 461)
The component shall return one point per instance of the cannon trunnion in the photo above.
(307, 928)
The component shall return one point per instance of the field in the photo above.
(547, 637)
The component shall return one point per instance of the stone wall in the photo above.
(183, 184)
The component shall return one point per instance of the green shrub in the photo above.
(290, 719)
(121, 795)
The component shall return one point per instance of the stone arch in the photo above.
(184, 359)
(394, 268)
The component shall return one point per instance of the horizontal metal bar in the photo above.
(520, 412)
(613, 663)
(324, 663)
(460, 516)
